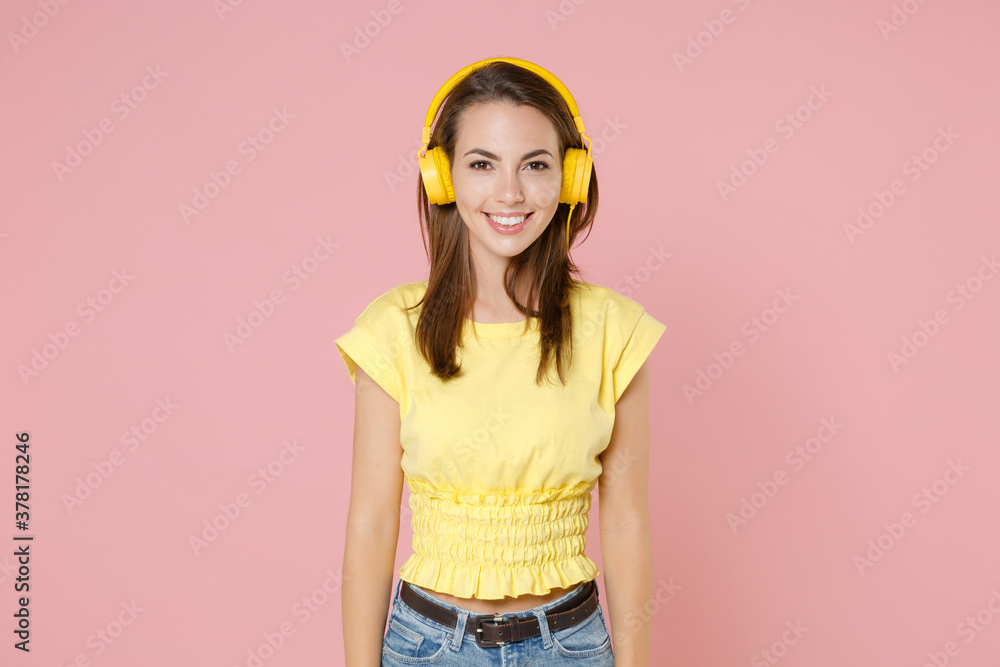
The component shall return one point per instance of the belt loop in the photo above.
(515, 629)
(395, 596)
(543, 627)
(459, 634)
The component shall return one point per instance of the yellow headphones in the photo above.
(577, 163)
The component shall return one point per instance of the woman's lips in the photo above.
(504, 229)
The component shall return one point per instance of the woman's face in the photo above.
(506, 170)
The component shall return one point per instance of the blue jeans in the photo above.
(414, 639)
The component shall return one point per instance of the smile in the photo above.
(507, 225)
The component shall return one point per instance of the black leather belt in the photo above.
(491, 630)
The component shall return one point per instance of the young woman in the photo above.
(502, 390)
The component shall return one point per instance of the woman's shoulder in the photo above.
(404, 294)
(594, 298)
(393, 302)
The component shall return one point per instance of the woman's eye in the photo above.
(478, 162)
(541, 165)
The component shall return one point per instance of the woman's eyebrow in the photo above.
(526, 156)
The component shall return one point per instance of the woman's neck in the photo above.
(492, 303)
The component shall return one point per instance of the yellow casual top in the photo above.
(500, 470)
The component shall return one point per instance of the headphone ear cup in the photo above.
(577, 167)
(568, 176)
(436, 174)
(444, 173)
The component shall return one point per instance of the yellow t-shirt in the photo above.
(500, 470)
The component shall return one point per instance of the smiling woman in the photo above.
(496, 389)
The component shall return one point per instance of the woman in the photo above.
(502, 391)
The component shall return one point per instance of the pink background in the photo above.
(665, 136)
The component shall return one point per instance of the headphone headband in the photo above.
(450, 84)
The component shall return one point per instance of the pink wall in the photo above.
(858, 422)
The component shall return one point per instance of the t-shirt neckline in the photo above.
(495, 329)
(501, 329)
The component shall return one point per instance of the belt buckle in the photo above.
(496, 618)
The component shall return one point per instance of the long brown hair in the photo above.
(545, 266)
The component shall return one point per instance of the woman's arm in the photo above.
(372, 522)
(624, 518)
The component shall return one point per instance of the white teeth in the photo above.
(508, 222)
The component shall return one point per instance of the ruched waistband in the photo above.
(497, 544)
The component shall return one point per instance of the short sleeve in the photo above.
(372, 344)
(641, 336)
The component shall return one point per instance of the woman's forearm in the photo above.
(628, 577)
(369, 565)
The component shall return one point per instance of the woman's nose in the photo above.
(509, 187)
